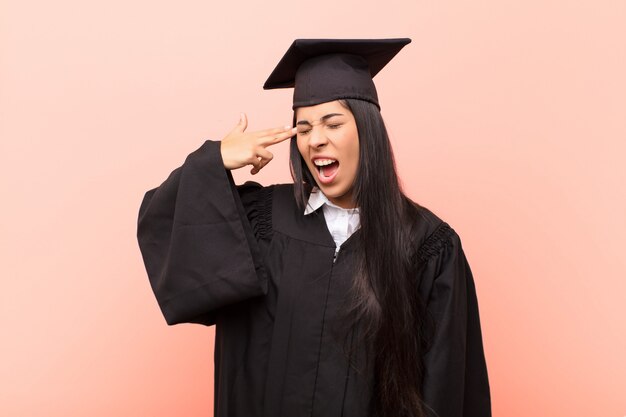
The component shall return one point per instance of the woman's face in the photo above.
(328, 141)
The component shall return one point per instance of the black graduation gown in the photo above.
(246, 259)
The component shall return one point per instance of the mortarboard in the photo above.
(322, 70)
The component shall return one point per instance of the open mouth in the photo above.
(327, 169)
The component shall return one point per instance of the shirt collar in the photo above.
(317, 199)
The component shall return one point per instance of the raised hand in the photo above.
(240, 148)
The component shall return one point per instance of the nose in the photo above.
(317, 138)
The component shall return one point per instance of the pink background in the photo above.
(508, 119)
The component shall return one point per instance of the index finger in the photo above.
(277, 138)
(273, 131)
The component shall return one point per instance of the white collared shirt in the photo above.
(342, 223)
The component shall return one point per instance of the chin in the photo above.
(338, 196)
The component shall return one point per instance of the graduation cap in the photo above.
(322, 70)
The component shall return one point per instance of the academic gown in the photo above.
(246, 259)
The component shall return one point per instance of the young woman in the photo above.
(335, 295)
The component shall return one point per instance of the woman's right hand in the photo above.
(240, 148)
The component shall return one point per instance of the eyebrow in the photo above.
(323, 119)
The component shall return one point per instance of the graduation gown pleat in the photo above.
(246, 259)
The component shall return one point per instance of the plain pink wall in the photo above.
(508, 119)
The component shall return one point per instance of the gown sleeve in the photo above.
(197, 242)
(455, 372)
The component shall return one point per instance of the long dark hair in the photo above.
(384, 296)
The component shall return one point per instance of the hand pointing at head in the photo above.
(240, 148)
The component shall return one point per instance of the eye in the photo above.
(334, 126)
(303, 132)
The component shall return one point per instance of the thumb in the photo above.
(243, 122)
